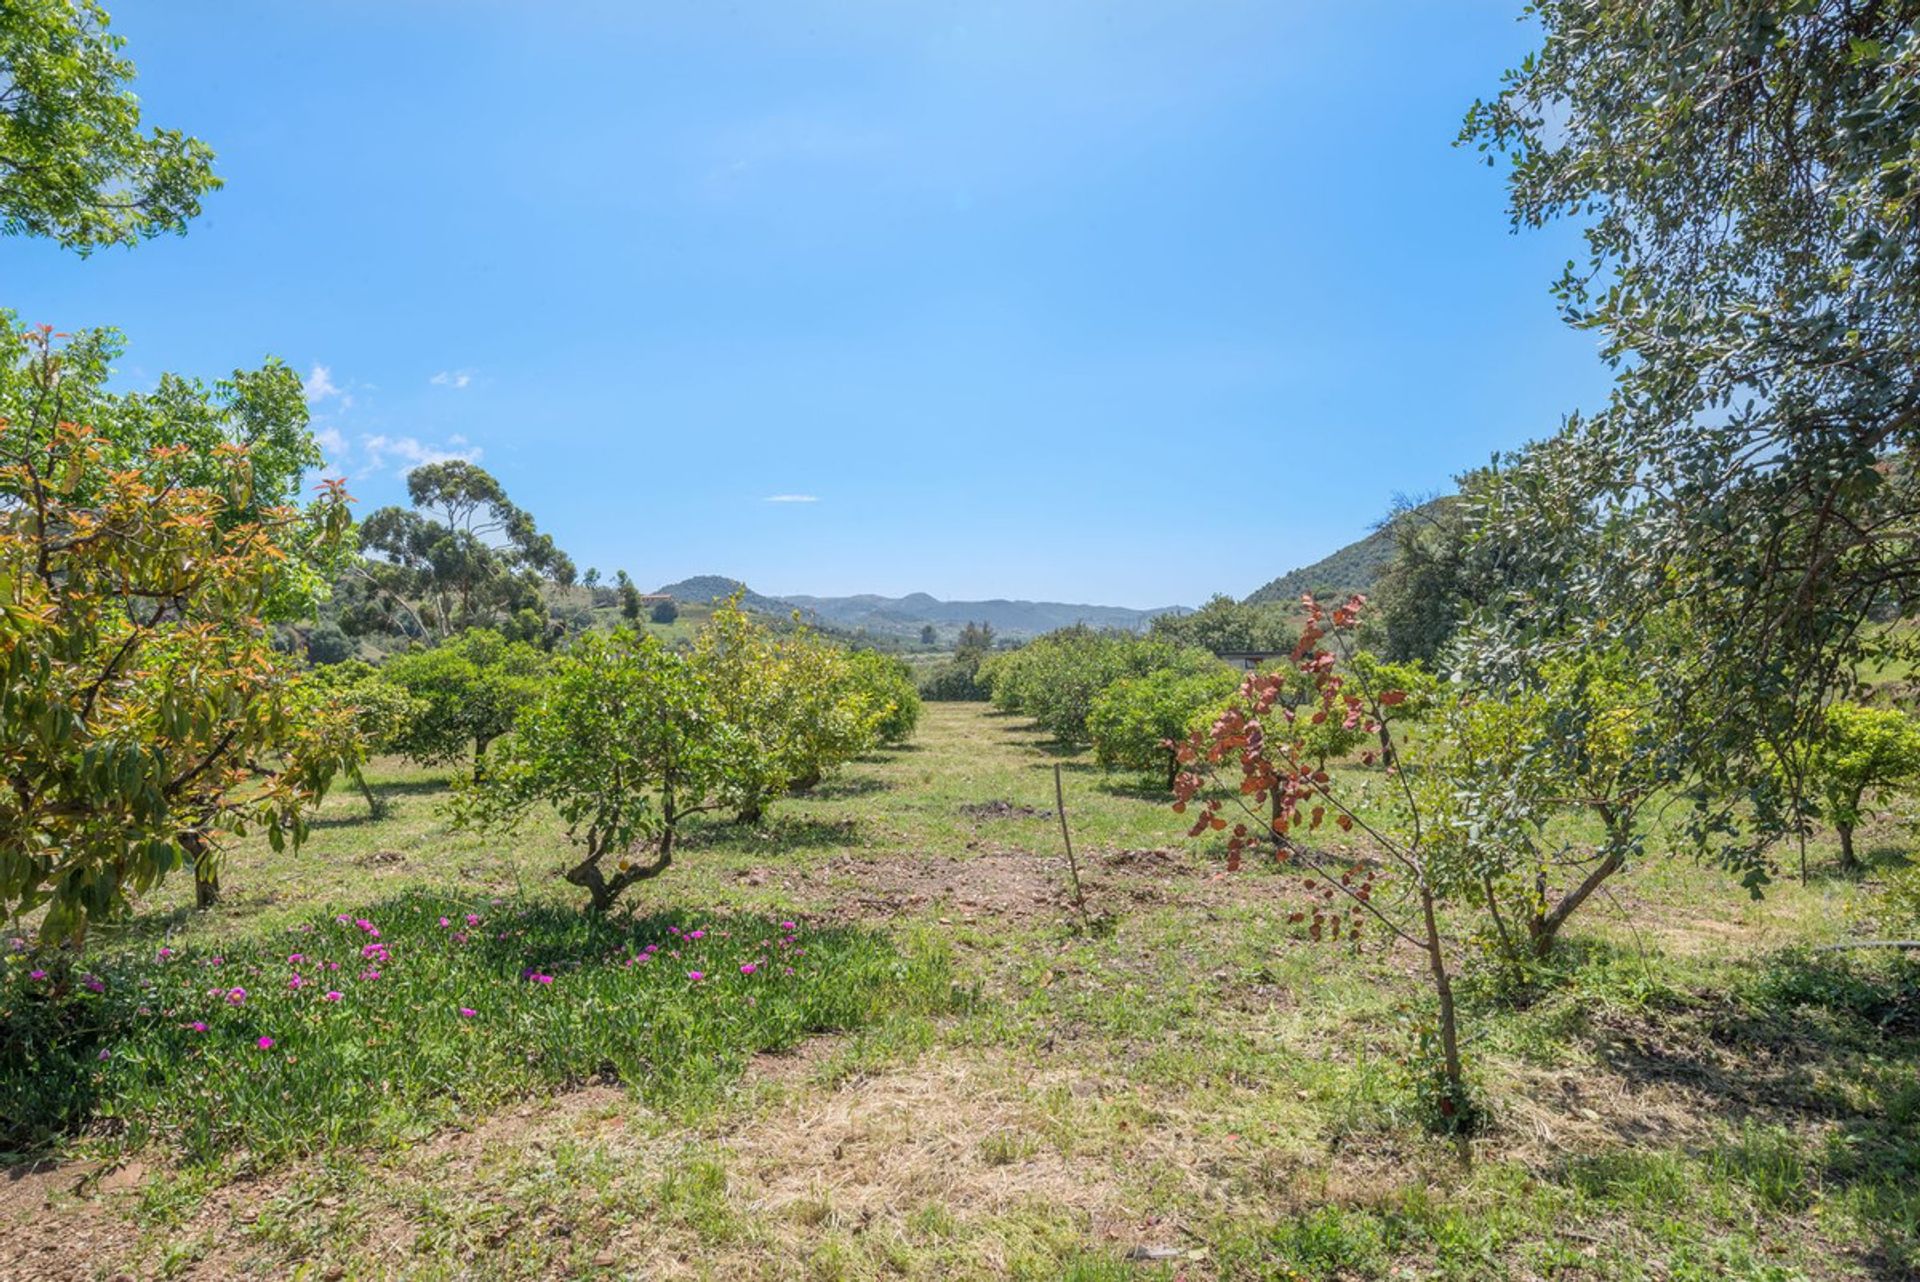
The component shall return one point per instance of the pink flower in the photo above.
(787, 925)
(467, 1012)
(444, 923)
(473, 919)
(332, 995)
(265, 1043)
(747, 968)
(294, 959)
(92, 984)
(106, 1054)
(216, 961)
(198, 1026)
(695, 976)
(343, 919)
(459, 936)
(696, 934)
(295, 983)
(36, 974)
(236, 997)
(165, 953)
(369, 973)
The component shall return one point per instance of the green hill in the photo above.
(1353, 568)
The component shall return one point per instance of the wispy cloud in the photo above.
(411, 452)
(792, 498)
(454, 378)
(320, 385)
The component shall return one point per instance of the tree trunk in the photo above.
(1848, 861)
(206, 878)
(751, 810)
(1456, 1102)
(375, 807)
(480, 743)
(1173, 768)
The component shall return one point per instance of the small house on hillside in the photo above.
(653, 598)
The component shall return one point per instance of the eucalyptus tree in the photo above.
(461, 556)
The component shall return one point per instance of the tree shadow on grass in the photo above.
(847, 786)
(1806, 1041)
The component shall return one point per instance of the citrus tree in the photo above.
(1862, 751)
(1138, 723)
(382, 713)
(468, 690)
(144, 713)
(625, 741)
(798, 705)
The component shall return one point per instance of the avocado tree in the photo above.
(624, 742)
(1862, 752)
(468, 691)
(144, 712)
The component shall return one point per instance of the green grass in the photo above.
(418, 1012)
(1690, 1091)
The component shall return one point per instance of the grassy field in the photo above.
(957, 1080)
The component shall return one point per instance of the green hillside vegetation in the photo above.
(1353, 568)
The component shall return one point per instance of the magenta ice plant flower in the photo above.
(696, 976)
(236, 997)
(198, 1026)
(265, 1043)
(468, 1012)
(332, 995)
(747, 968)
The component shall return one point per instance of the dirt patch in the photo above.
(381, 859)
(1010, 886)
(61, 1220)
(795, 1064)
(1002, 810)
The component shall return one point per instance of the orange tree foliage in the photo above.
(144, 713)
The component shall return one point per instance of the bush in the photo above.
(664, 612)
(953, 682)
(1137, 723)
(888, 681)
(1055, 679)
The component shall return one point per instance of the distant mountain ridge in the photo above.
(905, 616)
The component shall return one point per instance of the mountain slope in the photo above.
(1353, 568)
(705, 589)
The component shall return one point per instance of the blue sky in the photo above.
(1127, 301)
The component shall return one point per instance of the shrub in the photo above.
(470, 690)
(1137, 723)
(953, 682)
(624, 742)
(1861, 752)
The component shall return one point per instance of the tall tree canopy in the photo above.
(462, 556)
(74, 164)
(1746, 173)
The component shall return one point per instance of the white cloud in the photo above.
(792, 498)
(455, 378)
(320, 385)
(332, 444)
(412, 452)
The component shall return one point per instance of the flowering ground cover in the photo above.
(357, 1026)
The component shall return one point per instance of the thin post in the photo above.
(1073, 865)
